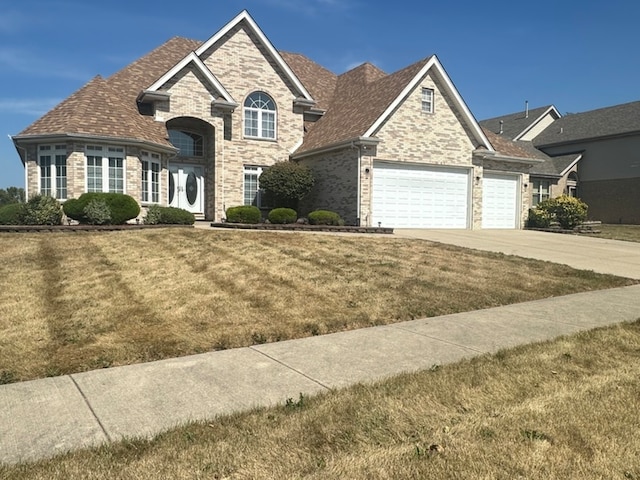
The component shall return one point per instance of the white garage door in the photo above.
(413, 196)
(499, 201)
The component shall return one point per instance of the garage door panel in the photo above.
(500, 201)
(412, 196)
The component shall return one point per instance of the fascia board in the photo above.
(533, 124)
(244, 16)
(571, 165)
(199, 64)
(451, 89)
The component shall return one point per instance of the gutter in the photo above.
(586, 139)
(507, 158)
(365, 142)
(95, 138)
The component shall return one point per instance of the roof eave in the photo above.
(537, 120)
(53, 137)
(588, 139)
(486, 155)
(352, 142)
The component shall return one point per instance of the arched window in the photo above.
(259, 116)
(190, 144)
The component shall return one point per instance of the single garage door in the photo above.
(415, 196)
(499, 201)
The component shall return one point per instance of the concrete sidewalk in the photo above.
(45, 417)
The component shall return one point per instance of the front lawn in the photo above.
(566, 409)
(629, 233)
(75, 302)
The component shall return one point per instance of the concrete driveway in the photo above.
(583, 252)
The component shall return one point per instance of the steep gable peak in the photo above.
(364, 73)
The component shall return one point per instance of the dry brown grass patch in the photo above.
(565, 409)
(74, 302)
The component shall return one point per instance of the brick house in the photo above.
(194, 124)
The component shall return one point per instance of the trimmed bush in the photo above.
(121, 207)
(285, 183)
(325, 217)
(41, 210)
(10, 213)
(282, 215)
(157, 215)
(568, 211)
(244, 214)
(539, 218)
(97, 212)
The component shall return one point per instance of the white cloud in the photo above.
(28, 106)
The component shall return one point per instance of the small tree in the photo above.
(11, 195)
(286, 183)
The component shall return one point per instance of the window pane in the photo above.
(45, 174)
(61, 176)
(94, 174)
(116, 175)
(189, 144)
(145, 181)
(268, 125)
(155, 182)
(250, 188)
(427, 100)
(251, 123)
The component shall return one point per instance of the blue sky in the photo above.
(576, 55)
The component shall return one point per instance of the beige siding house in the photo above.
(194, 124)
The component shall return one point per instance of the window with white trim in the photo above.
(541, 190)
(52, 164)
(105, 169)
(150, 177)
(190, 144)
(253, 195)
(260, 116)
(427, 100)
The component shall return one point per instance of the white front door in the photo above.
(186, 188)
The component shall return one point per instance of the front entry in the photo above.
(186, 188)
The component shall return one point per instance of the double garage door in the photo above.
(415, 196)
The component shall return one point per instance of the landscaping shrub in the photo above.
(568, 211)
(10, 214)
(539, 218)
(325, 217)
(121, 207)
(41, 210)
(285, 183)
(157, 215)
(97, 212)
(282, 215)
(244, 214)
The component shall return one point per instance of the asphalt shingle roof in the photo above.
(616, 120)
(108, 107)
(513, 123)
(554, 166)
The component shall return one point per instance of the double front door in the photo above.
(186, 188)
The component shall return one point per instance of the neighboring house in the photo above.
(594, 155)
(193, 125)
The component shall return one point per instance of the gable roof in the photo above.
(603, 122)
(515, 125)
(107, 108)
(368, 97)
(320, 82)
(556, 166)
(246, 19)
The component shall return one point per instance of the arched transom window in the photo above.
(259, 116)
(190, 144)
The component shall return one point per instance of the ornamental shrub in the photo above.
(539, 218)
(41, 210)
(121, 207)
(97, 212)
(282, 215)
(285, 183)
(10, 213)
(325, 217)
(157, 215)
(569, 211)
(244, 214)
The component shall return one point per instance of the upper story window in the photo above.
(190, 144)
(260, 116)
(52, 163)
(427, 100)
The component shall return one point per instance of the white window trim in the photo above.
(260, 112)
(253, 169)
(430, 102)
(106, 152)
(151, 159)
(52, 151)
(538, 192)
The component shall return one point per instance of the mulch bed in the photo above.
(80, 228)
(303, 227)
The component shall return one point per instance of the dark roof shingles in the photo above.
(514, 123)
